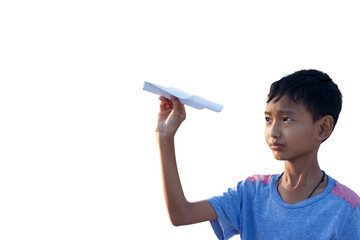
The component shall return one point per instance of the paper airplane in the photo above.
(185, 98)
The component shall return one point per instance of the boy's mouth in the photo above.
(276, 146)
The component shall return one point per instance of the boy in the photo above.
(302, 202)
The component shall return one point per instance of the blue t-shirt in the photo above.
(255, 210)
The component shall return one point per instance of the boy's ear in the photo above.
(326, 125)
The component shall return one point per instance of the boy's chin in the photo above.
(279, 157)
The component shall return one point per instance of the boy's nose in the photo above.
(275, 131)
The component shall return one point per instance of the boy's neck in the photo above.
(299, 174)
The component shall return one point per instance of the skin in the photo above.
(294, 138)
(181, 212)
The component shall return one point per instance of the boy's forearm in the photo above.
(174, 196)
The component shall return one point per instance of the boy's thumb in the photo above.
(176, 102)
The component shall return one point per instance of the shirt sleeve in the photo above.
(228, 210)
(352, 226)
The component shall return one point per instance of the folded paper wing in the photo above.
(185, 98)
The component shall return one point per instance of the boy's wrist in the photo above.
(164, 136)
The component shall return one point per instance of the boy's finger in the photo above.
(162, 105)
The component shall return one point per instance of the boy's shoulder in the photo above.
(346, 193)
(263, 178)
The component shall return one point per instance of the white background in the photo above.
(79, 158)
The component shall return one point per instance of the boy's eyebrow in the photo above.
(286, 112)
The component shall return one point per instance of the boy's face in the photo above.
(290, 131)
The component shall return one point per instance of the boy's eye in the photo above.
(267, 119)
(287, 119)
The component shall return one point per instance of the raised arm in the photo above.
(181, 212)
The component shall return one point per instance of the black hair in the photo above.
(313, 88)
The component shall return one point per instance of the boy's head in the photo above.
(312, 88)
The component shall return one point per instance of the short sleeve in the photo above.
(228, 210)
(352, 226)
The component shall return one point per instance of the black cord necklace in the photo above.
(322, 180)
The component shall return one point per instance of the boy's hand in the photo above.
(172, 114)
